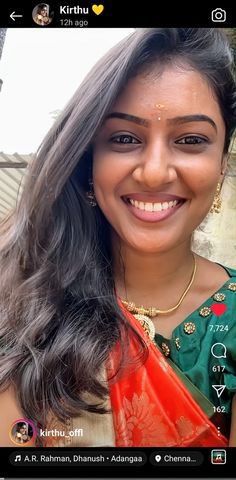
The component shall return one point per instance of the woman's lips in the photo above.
(150, 208)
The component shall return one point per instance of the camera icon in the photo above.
(218, 15)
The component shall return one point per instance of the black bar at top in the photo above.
(121, 14)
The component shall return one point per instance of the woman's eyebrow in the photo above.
(131, 118)
(198, 117)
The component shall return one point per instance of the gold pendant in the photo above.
(147, 324)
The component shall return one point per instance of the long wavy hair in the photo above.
(59, 316)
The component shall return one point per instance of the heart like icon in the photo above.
(97, 9)
(218, 308)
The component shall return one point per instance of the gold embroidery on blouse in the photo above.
(189, 328)
(177, 343)
(205, 311)
(165, 349)
(219, 297)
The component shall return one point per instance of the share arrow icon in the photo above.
(219, 389)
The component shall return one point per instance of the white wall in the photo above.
(41, 69)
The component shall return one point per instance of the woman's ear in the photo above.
(224, 164)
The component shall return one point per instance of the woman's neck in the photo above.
(141, 277)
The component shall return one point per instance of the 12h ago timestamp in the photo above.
(67, 22)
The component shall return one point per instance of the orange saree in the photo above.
(152, 407)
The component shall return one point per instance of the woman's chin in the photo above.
(153, 247)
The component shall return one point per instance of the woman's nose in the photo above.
(155, 167)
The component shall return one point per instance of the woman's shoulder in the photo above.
(228, 288)
(214, 274)
(226, 294)
(217, 283)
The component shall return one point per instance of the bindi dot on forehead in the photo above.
(161, 108)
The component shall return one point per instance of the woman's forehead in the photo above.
(173, 90)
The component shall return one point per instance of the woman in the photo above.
(41, 14)
(21, 435)
(109, 322)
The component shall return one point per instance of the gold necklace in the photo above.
(144, 315)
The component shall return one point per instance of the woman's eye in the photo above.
(191, 140)
(124, 139)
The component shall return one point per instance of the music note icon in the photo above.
(18, 458)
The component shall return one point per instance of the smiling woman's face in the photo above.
(158, 159)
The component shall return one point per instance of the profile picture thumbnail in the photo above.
(22, 432)
(42, 14)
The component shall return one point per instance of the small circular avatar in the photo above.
(42, 14)
(22, 432)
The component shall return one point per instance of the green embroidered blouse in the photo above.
(200, 343)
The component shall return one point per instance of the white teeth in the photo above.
(152, 207)
(165, 205)
(157, 207)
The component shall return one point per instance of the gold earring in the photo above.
(216, 206)
(90, 195)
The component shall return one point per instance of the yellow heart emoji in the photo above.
(97, 9)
